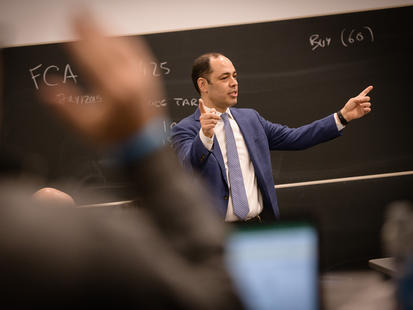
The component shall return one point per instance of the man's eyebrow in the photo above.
(227, 73)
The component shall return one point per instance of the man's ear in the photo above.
(202, 84)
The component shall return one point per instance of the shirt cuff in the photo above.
(207, 142)
(143, 143)
(340, 126)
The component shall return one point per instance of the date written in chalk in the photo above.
(348, 38)
(81, 99)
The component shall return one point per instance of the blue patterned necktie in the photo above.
(238, 194)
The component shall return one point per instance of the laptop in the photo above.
(275, 266)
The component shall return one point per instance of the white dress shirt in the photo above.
(248, 173)
(250, 181)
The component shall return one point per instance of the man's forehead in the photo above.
(221, 64)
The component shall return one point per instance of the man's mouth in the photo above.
(233, 93)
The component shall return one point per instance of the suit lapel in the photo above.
(197, 114)
(247, 132)
(216, 151)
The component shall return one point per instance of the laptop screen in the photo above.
(275, 266)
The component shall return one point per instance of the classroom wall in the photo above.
(26, 22)
(350, 213)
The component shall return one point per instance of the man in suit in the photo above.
(166, 255)
(205, 140)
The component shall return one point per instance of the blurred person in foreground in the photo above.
(167, 255)
(397, 236)
(53, 197)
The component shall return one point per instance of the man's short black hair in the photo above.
(201, 68)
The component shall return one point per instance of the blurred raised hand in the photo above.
(114, 67)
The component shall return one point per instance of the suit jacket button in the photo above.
(226, 197)
(202, 158)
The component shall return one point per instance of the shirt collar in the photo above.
(228, 111)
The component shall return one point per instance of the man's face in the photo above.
(222, 89)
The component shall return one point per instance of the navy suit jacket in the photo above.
(260, 136)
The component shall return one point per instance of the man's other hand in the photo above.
(208, 119)
(358, 106)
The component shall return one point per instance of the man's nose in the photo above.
(233, 81)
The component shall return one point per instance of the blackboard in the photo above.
(292, 72)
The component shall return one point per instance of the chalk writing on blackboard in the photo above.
(52, 75)
(42, 73)
(181, 102)
(167, 125)
(79, 99)
(317, 41)
(176, 101)
(161, 103)
(348, 37)
(154, 68)
(353, 36)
